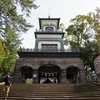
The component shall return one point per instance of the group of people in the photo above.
(7, 84)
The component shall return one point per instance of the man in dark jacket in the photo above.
(8, 82)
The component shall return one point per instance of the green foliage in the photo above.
(62, 26)
(11, 26)
(2, 53)
(85, 35)
(89, 52)
(29, 81)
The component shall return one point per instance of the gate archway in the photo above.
(49, 73)
(73, 74)
(26, 72)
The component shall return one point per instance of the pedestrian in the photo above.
(8, 82)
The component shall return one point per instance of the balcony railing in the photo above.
(51, 50)
(54, 31)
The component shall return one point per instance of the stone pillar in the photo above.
(63, 76)
(83, 76)
(16, 76)
(35, 76)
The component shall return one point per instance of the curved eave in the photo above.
(49, 54)
(49, 19)
(49, 33)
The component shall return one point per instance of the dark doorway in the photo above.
(72, 74)
(26, 72)
(48, 73)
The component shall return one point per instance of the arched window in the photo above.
(49, 29)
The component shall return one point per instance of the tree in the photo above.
(85, 34)
(80, 29)
(96, 24)
(12, 24)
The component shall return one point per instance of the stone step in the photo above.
(53, 98)
(53, 92)
(66, 96)
(52, 95)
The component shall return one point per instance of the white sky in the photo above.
(64, 9)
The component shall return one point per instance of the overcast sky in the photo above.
(64, 9)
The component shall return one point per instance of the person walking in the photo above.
(8, 82)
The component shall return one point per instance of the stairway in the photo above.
(53, 92)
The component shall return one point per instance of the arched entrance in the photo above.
(26, 72)
(73, 74)
(49, 73)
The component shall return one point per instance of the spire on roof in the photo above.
(48, 10)
(48, 16)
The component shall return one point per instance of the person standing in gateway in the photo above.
(8, 82)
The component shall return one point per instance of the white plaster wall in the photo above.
(50, 36)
